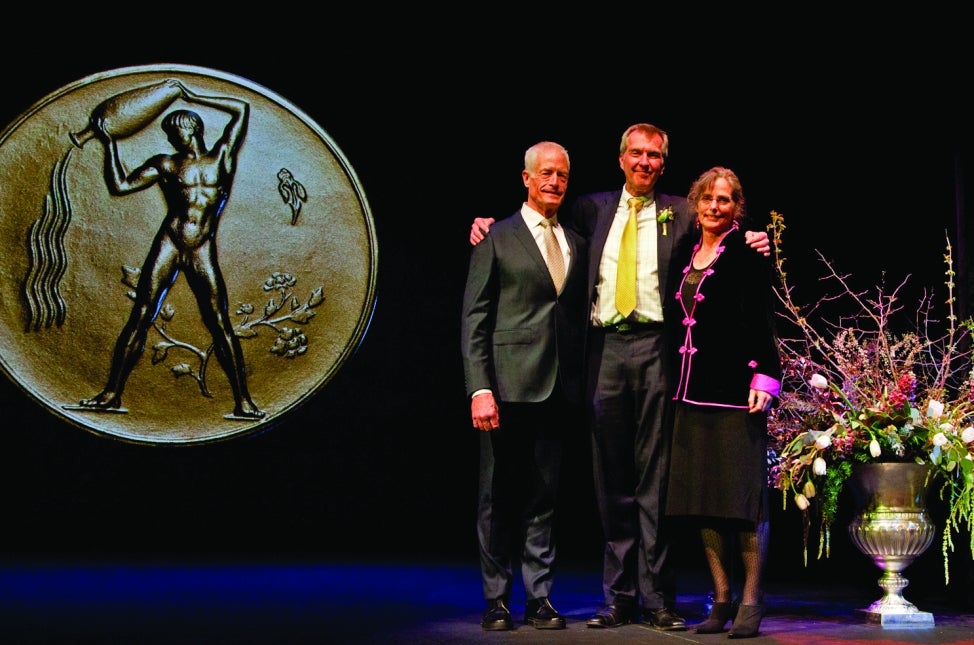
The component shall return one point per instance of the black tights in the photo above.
(754, 550)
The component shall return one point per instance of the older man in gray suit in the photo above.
(522, 341)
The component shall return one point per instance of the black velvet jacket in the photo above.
(726, 339)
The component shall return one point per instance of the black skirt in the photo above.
(718, 464)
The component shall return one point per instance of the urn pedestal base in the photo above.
(893, 610)
(893, 528)
(899, 620)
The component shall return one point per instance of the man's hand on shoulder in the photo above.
(757, 240)
(479, 228)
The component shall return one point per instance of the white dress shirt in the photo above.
(649, 305)
(533, 219)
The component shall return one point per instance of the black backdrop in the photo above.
(865, 151)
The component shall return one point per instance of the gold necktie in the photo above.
(626, 274)
(556, 263)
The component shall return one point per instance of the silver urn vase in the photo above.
(891, 525)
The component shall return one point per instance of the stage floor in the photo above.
(387, 603)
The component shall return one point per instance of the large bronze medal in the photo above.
(185, 255)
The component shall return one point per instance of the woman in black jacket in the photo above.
(728, 377)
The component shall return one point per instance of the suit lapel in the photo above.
(573, 250)
(523, 235)
(606, 213)
(664, 245)
(605, 208)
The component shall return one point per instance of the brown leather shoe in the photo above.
(612, 615)
(541, 615)
(497, 617)
(664, 619)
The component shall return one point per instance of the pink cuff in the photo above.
(765, 383)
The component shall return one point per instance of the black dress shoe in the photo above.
(665, 619)
(612, 615)
(497, 617)
(541, 615)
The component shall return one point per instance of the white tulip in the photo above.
(823, 441)
(940, 439)
(818, 466)
(874, 449)
(801, 502)
(934, 409)
(968, 435)
(808, 490)
(818, 381)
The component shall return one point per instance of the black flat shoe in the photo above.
(664, 619)
(497, 617)
(612, 615)
(541, 615)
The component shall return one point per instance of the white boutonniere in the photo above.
(664, 216)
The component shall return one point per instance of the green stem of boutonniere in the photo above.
(665, 216)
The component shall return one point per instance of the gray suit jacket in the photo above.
(518, 337)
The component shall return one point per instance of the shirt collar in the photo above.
(532, 217)
(626, 196)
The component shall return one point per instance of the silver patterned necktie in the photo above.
(553, 256)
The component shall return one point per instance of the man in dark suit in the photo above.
(628, 378)
(522, 341)
(628, 384)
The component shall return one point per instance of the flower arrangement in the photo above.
(664, 216)
(856, 391)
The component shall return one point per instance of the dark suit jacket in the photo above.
(518, 337)
(592, 216)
